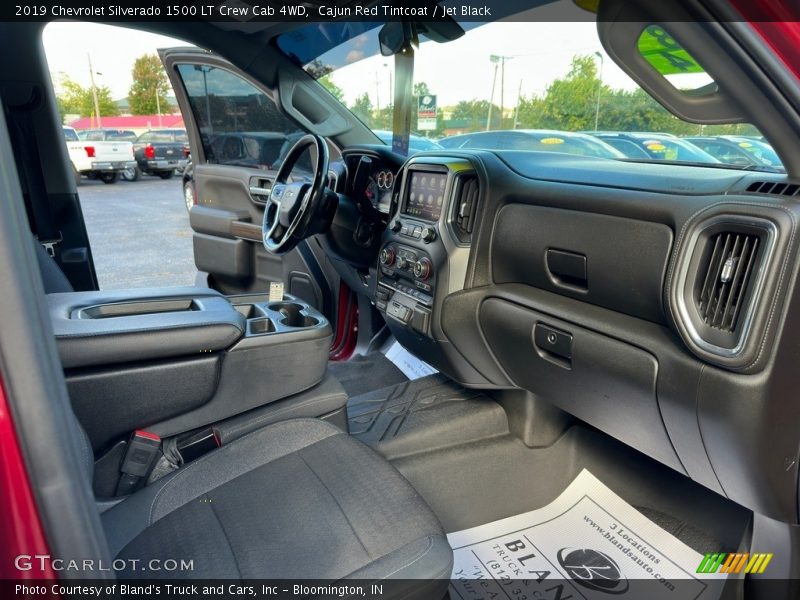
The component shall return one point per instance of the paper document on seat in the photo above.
(587, 543)
(410, 365)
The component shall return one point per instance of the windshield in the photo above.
(537, 83)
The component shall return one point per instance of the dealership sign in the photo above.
(426, 112)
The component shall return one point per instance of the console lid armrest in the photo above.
(119, 326)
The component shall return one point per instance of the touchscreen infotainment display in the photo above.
(425, 195)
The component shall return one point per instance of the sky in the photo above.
(459, 70)
(462, 70)
(113, 51)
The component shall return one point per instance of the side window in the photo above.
(239, 124)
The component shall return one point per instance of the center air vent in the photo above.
(465, 207)
(725, 278)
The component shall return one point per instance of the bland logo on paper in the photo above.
(722, 562)
(593, 570)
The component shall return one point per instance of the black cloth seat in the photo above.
(296, 499)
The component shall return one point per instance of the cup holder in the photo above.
(292, 315)
(261, 326)
(248, 311)
(301, 321)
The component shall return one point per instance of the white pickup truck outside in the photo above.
(98, 160)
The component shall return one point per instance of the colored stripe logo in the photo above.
(755, 563)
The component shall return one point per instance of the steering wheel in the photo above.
(297, 210)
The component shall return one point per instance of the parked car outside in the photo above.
(107, 134)
(655, 146)
(161, 152)
(542, 140)
(103, 160)
(739, 150)
(416, 143)
(117, 135)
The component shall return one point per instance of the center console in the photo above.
(424, 255)
(416, 260)
(176, 359)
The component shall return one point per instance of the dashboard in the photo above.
(654, 302)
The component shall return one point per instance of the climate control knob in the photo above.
(423, 268)
(387, 256)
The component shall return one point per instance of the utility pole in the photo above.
(599, 89)
(158, 108)
(502, 87)
(494, 59)
(516, 111)
(94, 93)
(500, 60)
(391, 86)
(377, 95)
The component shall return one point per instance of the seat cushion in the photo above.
(298, 499)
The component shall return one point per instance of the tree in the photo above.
(570, 103)
(421, 89)
(383, 118)
(73, 98)
(362, 108)
(327, 82)
(474, 114)
(149, 79)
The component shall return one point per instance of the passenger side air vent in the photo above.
(774, 188)
(724, 285)
(725, 278)
(465, 206)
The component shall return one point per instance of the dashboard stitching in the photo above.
(779, 286)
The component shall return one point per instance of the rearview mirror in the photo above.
(397, 35)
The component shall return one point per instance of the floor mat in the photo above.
(364, 373)
(480, 482)
(422, 415)
(588, 542)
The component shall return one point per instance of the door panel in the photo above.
(238, 139)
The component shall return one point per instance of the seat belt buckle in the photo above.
(143, 450)
(50, 245)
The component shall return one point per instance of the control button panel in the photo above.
(413, 230)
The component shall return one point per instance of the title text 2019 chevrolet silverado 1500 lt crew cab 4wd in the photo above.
(103, 160)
